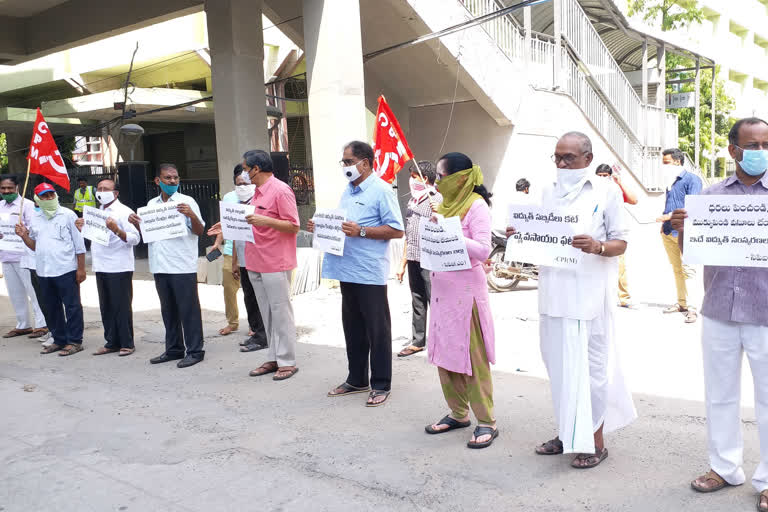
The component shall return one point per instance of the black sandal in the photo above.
(551, 447)
(483, 431)
(348, 389)
(452, 423)
(374, 394)
(596, 459)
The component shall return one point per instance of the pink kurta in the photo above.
(453, 295)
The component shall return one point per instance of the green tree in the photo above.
(3, 153)
(671, 14)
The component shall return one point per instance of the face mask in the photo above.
(246, 177)
(351, 172)
(244, 192)
(168, 189)
(418, 188)
(49, 207)
(9, 198)
(754, 161)
(105, 198)
(569, 180)
(669, 173)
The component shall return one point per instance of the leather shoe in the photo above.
(163, 358)
(188, 361)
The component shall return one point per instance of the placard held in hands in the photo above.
(544, 236)
(442, 245)
(95, 225)
(161, 222)
(233, 223)
(328, 236)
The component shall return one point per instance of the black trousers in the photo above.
(116, 303)
(421, 289)
(255, 323)
(180, 308)
(40, 301)
(367, 330)
(61, 295)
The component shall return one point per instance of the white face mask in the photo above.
(669, 173)
(351, 172)
(569, 180)
(246, 177)
(245, 192)
(105, 197)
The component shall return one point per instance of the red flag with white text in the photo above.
(44, 157)
(389, 145)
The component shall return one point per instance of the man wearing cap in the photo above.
(60, 261)
(113, 265)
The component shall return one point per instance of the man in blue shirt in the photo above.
(373, 219)
(680, 183)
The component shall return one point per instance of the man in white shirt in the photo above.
(60, 261)
(174, 265)
(113, 265)
(576, 308)
(17, 278)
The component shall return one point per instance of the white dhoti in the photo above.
(723, 345)
(588, 386)
(21, 292)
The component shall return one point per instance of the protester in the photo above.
(680, 183)
(17, 278)
(461, 341)
(735, 320)
(28, 263)
(113, 264)
(84, 196)
(60, 262)
(606, 171)
(270, 260)
(576, 311)
(173, 262)
(523, 185)
(373, 218)
(419, 209)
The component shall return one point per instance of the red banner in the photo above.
(389, 145)
(44, 157)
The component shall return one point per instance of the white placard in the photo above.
(328, 236)
(544, 236)
(162, 222)
(729, 231)
(442, 244)
(95, 225)
(233, 223)
(11, 242)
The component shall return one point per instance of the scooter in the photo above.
(503, 276)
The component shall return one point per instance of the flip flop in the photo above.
(586, 456)
(105, 350)
(265, 369)
(16, 332)
(288, 373)
(126, 352)
(348, 390)
(375, 394)
(409, 351)
(483, 431)
(452, 423)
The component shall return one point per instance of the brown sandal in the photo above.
(265, 369)
(285, 373)
(551, 447)
(126, 352)
(593, 459)
(69, 350)
(36, 333)
(763, 494)
(409, 351)
(51, 349)
(105, 350)
(711, 475)
(17, 332)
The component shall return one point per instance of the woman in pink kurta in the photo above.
(461, 336)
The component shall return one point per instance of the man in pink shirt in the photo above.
(270, 261)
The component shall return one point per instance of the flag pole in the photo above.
(24, 193)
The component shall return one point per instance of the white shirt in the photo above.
(11, 211)
(117, 256)
(581, 294)
(175, 255)
(57, 242)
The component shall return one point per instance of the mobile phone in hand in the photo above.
(213, 255)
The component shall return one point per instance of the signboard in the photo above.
(544, 236)
(10, 241)
(681, 100)
(328, 236)
(162, 222)
(95, 225)
(233, 223)
(443, 248)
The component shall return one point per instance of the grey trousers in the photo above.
(273, 294)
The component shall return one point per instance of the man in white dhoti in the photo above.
(576, 308)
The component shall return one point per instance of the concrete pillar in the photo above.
(336, 88)
(237, 69)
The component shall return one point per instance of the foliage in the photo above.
(3, 153)
(673, 14)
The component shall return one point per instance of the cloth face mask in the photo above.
(168, 189)
(244, 192)
(351, 172)
(105, 197)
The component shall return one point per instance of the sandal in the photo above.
(483, 431)
(36, 333)
(593, 459)
(763, 494)
(265, 369)
(17, 332)
(105, 350)
(409, 351)
(50, 349)
(126, 352)
(452, 425)
(285, 373)
(551, 447)
(253, 347)
(710, 475)
(347, 389)
(71, 349)
(373, 395)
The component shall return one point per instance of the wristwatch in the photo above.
(362, 232)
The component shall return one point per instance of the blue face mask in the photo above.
(754, 161)
(168, 189)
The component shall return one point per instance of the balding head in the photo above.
(573, 151)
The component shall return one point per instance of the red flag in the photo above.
(389, 145)
(44, 157)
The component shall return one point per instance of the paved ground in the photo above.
(108, 433)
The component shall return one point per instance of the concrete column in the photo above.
(237, 67)
(336, 89)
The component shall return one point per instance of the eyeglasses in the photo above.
(568, 158)
(348, 163)
(753, 146)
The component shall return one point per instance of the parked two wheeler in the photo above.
(503, 276)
